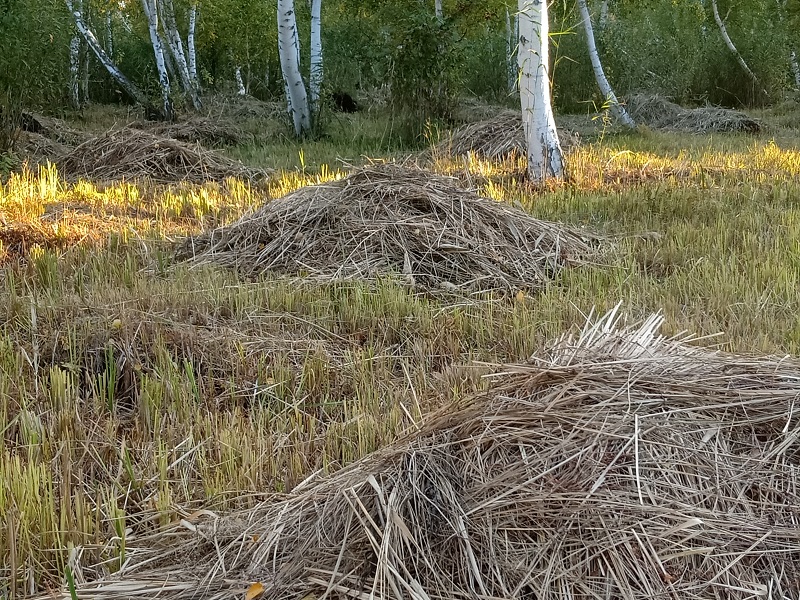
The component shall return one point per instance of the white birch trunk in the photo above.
(151, 12)
(315, 79)
(240, 89)
(602, 82)
(74, 71)
(732, 47)
(130, 88)
(438, 9)
(795, 68)
(289, 52)
(511, 63)
(190, 49)
(170, 27)
(85, 76)
(545, 158)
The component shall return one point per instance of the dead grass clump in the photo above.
(659, 113)
(199, 130)
(131, 154)
(389, 219)
(37, 148)
(497, 138)
(622, 465)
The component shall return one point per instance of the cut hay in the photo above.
(659, 113)
(497, 138)
(393, 220)
(132, 154)
(622, 465)
(199, 130)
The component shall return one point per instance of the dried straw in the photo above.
(497, 138)
(199, 130)
(132, 154)
(659, 113)
(621, 465)
(390, 219)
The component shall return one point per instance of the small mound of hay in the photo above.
(659, 113)
(132, 154)
(624, 465)
(207, 132)
(497, 138)
(390, 219)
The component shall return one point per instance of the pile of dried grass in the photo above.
(199, 130)
(133, 154)
(659, 113)
(391, 219)
(497, 138)
(623, 465)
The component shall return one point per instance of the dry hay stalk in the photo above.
(497, 138)
(623, 465)
(132, 154)
(198, 130)
(659, 113)
(390, 219)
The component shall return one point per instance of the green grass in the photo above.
(134, 391)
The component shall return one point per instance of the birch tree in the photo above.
(190, 47)
(74, 71)
(437, 7)
(289, 52)
(315, 79)
(511, 61)
(175, 43)
(609, 96)
(151, 12)
(545, 158)
(732, 47)
(130, 88)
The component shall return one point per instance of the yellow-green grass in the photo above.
(134, 391)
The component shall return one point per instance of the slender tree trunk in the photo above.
(729, 43)
(126, 84)
(315, 80)
(175, 43)
(151, 12)
(289, 51)
(438, 9)
(545, 158)
(240, 89)
(74, 71)
(511, 62)
(795, 68)
(599, 75)
(190, 49)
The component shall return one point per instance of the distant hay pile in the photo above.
(622, 465)
(199, 130)
(390, 219)
(496, 138)
(133, 154)
(659, 113)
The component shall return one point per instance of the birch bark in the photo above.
(289, 52)
(315, 79)
(151, 12)
(732, 47)
(545, 158)
(190, 49)
(599, 75)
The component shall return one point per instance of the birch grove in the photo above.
(175, 44)
(609, 96)
(289, 52)
(545, 158)
(151, 13)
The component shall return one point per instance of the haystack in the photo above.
(659, 113)
(389, 219)
(620, 465)
(199, 130)
(133, 154)
(497, 138)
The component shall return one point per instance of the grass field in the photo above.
(135, 391)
